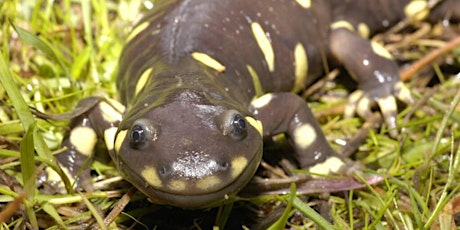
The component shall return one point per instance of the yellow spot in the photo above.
(388, 103)
(138, 29)
(417, 10)
(380, 50)
(238, 166)
(342, 24)
(301, 67)
(262, 101)
(264, 44)
(364, 30)
(150, 175)
(109, 113)
(363, 107)
(304, 136)
(69, 176)
(352, 103)
(84, 139)
(255, 80)
(256, 124)
(177, 185)
(331, 164)
(56, 180)
(304, 3)
(119, 139)
(208, 182)
(109, 137)
(143, 80)
(209, 61)
(53, 175)
(403, 92)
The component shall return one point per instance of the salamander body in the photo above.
(203, 83)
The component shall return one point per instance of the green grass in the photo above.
(54, 54)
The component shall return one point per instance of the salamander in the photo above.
(202, 84)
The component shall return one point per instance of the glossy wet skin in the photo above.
(159, 155)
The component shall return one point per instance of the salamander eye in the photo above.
(239, 127)
(142, 131)
(137, 135)
(232, 123)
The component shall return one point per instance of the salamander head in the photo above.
(189, 152)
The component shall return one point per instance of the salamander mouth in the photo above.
(191, 199)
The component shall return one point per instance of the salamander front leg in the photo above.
(288, 113)
(374, 70)
(86, 129)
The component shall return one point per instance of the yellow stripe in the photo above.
(238, 166)
(151, 176)
(380, 50)
(342, 24)
(331, 164)
(262, 101)
(109, 137)
(301, 67)
(304, 3)
(119, 140)
(264, 44)
(209, 61)
(143, 80)
(256, 81)
(417, 10)
(364, 30)
(208, 182)
(138, 29)
(256, 124)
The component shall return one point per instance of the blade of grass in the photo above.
(281, 222)
(94, 212)
(224, 214)
(48, 208)
(312, 214)
(443, 125)
(15, 96)
(446, 195)
(28, 173)
(86, 11)
(42, 45)
(25, 115)
(27, 145)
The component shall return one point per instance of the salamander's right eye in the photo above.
(141, 133)
(137, 135)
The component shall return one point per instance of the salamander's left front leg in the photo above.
(290, 114)
(374, 70)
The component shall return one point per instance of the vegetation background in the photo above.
(54, 53)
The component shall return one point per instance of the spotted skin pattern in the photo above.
(205, 82)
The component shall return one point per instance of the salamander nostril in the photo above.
(163, 171)
(224, 165)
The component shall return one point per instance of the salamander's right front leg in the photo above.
(85, 131)
(290, 114)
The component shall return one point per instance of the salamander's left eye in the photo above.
(142, 131)
(233, 124)
(239, 127)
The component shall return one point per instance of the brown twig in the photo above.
(417, 66)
